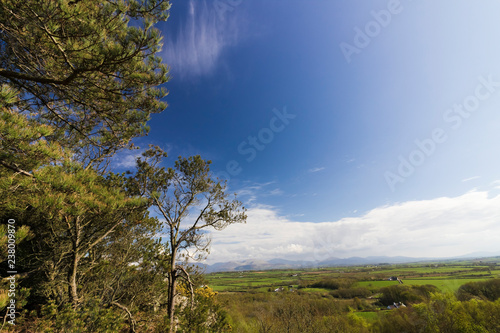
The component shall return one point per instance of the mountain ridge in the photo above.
(279, 263)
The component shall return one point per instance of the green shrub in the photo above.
(442, 313)
(333, 284)
(487, 290)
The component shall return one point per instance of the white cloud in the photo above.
(200, 42)
(429, 228)
(126, 158)
(496, 184)
(316, 169)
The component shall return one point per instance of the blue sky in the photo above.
(334, 121)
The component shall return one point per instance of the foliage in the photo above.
(290, 312)
(21, 234)
(83, 68)
(205, 315)
(23, 144)
(443, 313)
(89, 318)
(487, 290)
(405, 294)
(70, 218)
(351, 292)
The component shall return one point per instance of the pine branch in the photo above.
(16, 169)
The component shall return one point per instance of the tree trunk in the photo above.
(73, 286)
(171, 301)
(72, 282)
(171, 292)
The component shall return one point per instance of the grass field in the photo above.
(257, 301)
(369, 316)
(445, 285)
(447, 277)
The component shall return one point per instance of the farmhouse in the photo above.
(395, 278)
(396, 306)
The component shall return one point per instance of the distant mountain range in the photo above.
(252, 265)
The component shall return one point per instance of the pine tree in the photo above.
(90, 69)
(191, 201)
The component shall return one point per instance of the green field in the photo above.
(355, 298)
(369, 316)
(446, 277)
(445, 285)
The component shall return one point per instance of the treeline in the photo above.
(79, 250)
(426, 310)
(341, 288)
(332, 284)
(442, 313)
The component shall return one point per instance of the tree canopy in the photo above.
(89, 69)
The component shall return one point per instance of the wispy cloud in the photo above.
(253, 191)
(276, 191)
(197, 48)
(471, 178)
(316, 169)
(427, 228)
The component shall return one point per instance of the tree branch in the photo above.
(162, 211)
(44, 28)
(194, 227)
(16, 169)
(98, 240)
(39, 79)
(124, 308)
